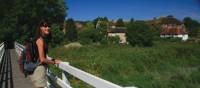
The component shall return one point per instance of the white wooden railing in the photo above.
(67, 68)
(2, 50)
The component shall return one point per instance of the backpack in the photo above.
(29, 59)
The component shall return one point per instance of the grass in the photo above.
(165, 65)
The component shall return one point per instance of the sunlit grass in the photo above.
(165, 65)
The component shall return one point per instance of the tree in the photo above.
(25, 15)
(139, 34)
(72, 33)
(100, 19)
(198, 33)
(170, 20)
(7, 36)
(85, 35)
(132, 20)
(191, 25)
(88, 26)
(56, 35)
(99, 34)
(105, 19)
(6, 6)
(120, 23)
(7, 31)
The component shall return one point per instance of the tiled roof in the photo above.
(173, 30)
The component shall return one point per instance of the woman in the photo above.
(39, 76)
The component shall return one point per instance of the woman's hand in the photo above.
(57, 61)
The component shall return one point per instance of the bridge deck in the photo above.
(10, 75)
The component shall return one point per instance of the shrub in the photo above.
(139, 34)
(84, 37)
(57, 35)
(113, 40)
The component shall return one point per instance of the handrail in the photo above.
(1, 43)
(2, 50)
(82, 75)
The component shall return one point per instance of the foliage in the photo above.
(7, 35)
(57, 36)
(84, 36)
(170, 20)
(191, 25)
(95, 21)
(132, 20)
(113, 40)
(165, 65)
(120, 23)
(90, 34)
(72, 33)
(198, 32)
(102, 25)
(100, 32)
(97, 35)
(139, 34)
(171, 39)
(24, 15)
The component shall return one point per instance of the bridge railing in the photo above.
(2, 50)
(80, 74)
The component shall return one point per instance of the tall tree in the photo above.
(7, 31)
(191, 25)
(6, 6)
(95, 21)
(72, 33)
(170, 20)
(140, 34)
(25, 15)
(105, 19)
(132, 20)
(120, 23)
(56, 36)
(198, 33)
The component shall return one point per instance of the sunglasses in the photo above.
(45, 25)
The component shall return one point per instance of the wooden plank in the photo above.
(19, 80)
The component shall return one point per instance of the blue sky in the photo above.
(137, 9)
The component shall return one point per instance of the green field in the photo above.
(165, 65)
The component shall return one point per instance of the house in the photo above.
(174, 30)
(113, 31)
(118, 31)
(79, 25)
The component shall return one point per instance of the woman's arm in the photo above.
(43, 59)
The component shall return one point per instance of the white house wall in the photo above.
(184, 36)
(122, 36)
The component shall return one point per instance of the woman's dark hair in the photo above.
(38, 31)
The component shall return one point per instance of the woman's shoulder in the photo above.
(39, 40)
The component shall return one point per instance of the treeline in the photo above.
(19, 20)
(138, 32)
